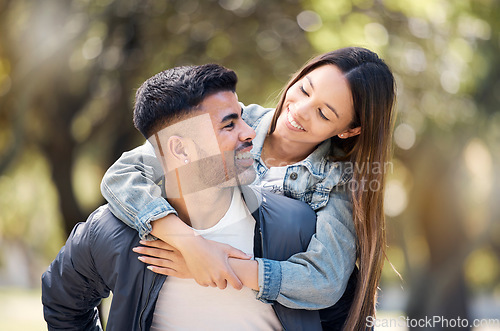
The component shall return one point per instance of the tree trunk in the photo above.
(439, 291)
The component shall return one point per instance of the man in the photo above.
(192, 118)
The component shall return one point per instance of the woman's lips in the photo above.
(291, 123)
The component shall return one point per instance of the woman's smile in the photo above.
(292, 123)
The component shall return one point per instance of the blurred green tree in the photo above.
(73, 66)
(69, 69)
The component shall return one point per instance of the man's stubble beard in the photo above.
(221, 170)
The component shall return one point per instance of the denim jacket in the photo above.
(314, 279)
(98, 258)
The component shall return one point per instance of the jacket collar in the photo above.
(261, 130)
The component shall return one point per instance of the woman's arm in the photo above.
(317, 278)
(165, 259)
(130, 187)
(314, 279)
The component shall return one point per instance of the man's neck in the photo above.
(203, 209)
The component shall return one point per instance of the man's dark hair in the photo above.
(174, 93)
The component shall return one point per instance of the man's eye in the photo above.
(304, 91)
(229, 126)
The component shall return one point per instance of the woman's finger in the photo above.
(180, 269)
(157, 244)
(157, 262)
(156, 252)
(236, 253)
(221, 283)
(233, 280)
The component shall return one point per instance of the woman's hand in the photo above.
(163, 258)
(204, 260)
(208, 262)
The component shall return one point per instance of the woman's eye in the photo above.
(322, 115)
(304, 91)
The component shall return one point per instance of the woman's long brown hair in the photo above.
(373, 91)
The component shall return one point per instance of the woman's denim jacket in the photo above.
(314, 279)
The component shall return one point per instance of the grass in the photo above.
(21, 309)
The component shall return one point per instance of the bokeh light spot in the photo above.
(309, 21)
(92, 48)
(376, 34)
(405, 136)
(450, 81)
(395, 199)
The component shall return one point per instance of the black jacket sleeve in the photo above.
(71, 286)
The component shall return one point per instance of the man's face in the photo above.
(209, 149)
(230, 157)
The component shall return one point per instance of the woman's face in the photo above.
(318, 106)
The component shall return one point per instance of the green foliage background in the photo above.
(69, 69)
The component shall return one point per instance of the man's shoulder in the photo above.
(103, 227)
(103, 218)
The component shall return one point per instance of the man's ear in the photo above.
(350, 133)
(177, 148)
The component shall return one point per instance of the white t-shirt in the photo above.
(272, 180)
(185, 305)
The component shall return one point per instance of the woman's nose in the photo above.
(302, 109)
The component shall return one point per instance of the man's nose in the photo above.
(247, 133)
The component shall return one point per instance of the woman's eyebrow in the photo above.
(310, 82)
(330, 107)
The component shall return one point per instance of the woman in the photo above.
(331, 127)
